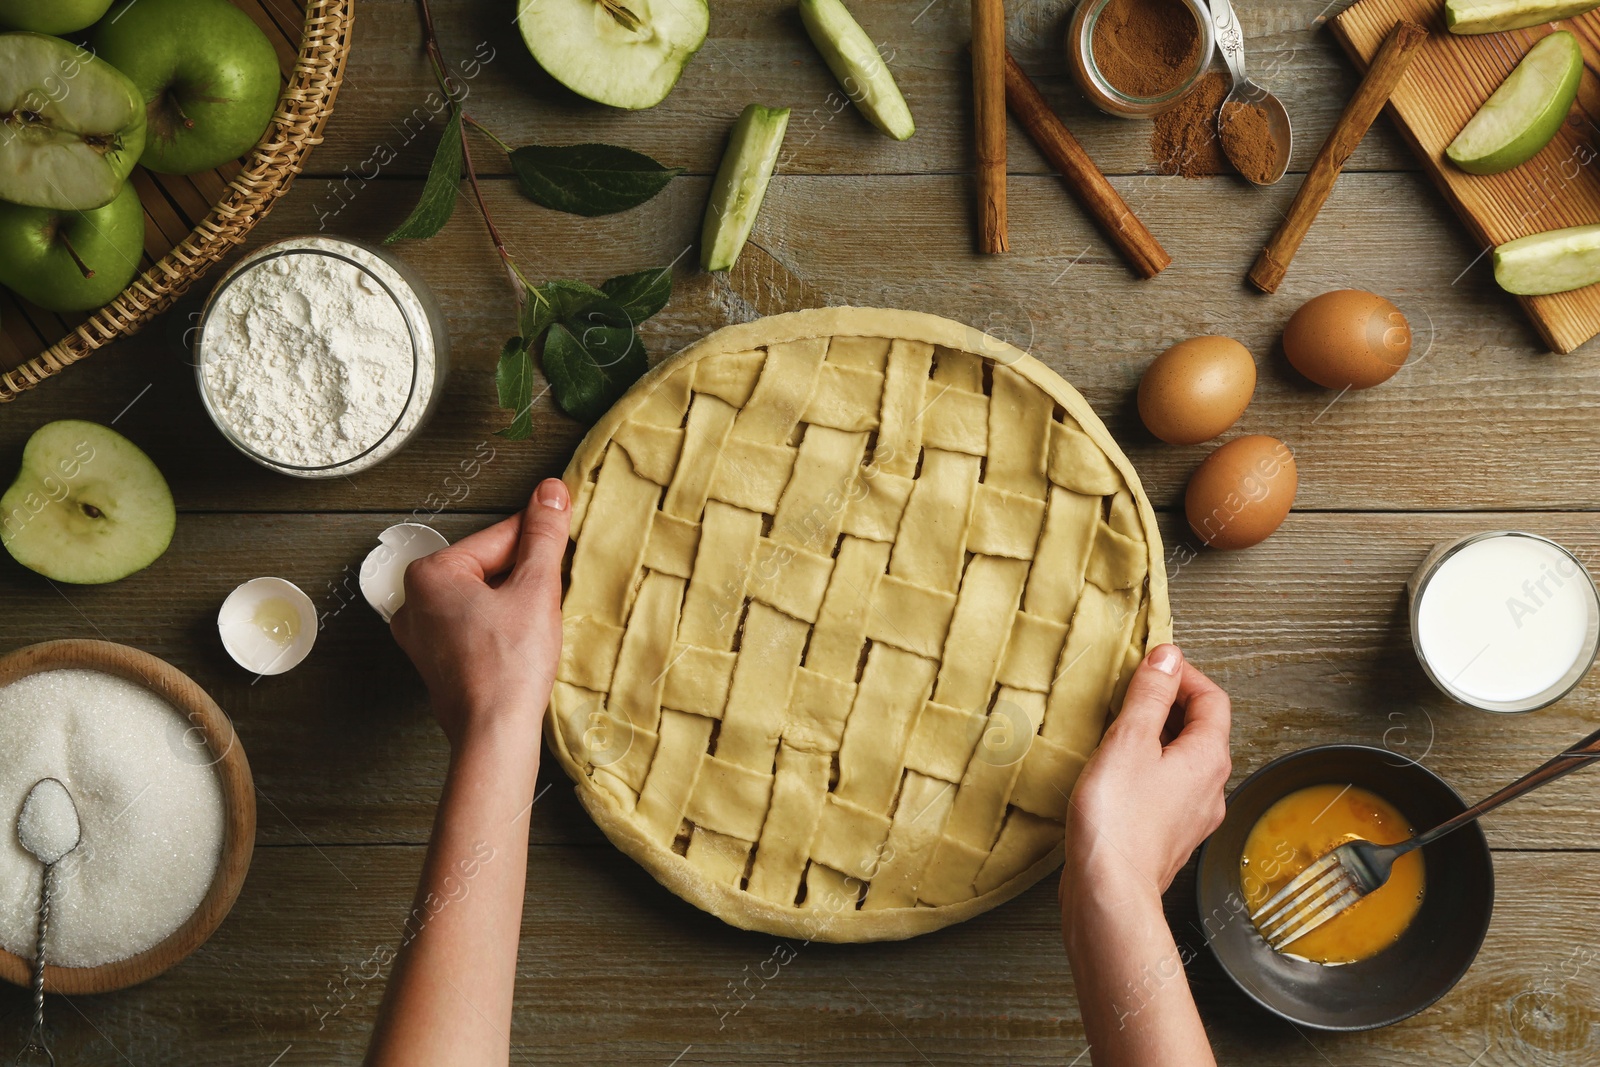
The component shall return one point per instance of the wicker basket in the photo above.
(182, 238)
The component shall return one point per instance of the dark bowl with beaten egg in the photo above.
(1401, 980)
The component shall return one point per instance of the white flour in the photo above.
(307, 360)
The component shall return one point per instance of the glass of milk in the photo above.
(1504, 621)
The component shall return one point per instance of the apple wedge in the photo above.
(1556, 261)
(71, 125)
(88, 506)
(741, 184)
(1525, 113)
(855, 62)
(1495, 16)
(625, 53)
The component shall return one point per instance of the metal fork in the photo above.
(1342, 877)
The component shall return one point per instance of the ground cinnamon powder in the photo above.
(1146, 47)
(1184, 137)
(1247, 140)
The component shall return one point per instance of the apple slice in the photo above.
(1555, 261)
(855, 62)
(626, 53)
(741, 183)
(1525, 113)
(71, 125)
(87, 507)
(1493, 16)
(71, 260)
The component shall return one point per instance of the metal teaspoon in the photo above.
(42, 829)
(1230, 40)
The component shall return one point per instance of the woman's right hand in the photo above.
(1153, 790)
(482, 619)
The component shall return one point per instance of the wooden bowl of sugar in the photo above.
(164, 797)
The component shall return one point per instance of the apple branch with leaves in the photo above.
(588, 338)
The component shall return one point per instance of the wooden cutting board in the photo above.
(1448, 80)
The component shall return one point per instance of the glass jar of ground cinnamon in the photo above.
(1137, 58)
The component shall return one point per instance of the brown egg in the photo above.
(1241, 492)
(1196, 389)
(1347, 339)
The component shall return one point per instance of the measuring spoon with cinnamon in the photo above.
(1251, 124)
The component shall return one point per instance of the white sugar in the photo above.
(148, 801)
(48, 826)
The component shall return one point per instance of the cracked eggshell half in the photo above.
(268, 625)
(383, 572)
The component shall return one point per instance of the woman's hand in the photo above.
(1149, 795)
(1154, 788)
(482, 619)
(482, 622)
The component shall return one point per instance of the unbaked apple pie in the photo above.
(851, 595)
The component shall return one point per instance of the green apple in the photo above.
(854, 60)
(1525, 113)
(1493, 16)
(741, 184)
(626, 53)
(71, 125)
(1555, 261)
(208, 74)
(51, 16)
(87, 507)
(71, 260)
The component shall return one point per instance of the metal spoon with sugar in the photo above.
(1246, 93)
(48, 827)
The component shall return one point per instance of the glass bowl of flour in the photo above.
(319, 357)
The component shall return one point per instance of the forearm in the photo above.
(1132, 991)
(449, 998)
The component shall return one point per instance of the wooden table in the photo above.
(1481, 430)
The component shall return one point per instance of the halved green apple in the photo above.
(88, 506)
(626, 53)
(741, 184)
(1493, 16)
(71, 125)
(1522, 116)
(855, 61)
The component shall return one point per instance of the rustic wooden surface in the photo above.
(1450, 79)
(1482, 430)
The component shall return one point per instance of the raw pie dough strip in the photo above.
(852, 596)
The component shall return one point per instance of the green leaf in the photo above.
(588, 179)
(643, 294)
(564, 300)
(590, 369)
(439, 192)
(534, 316)
(513, 380)
(602, 312)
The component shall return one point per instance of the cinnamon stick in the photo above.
(989, 100)
(1086, 181)
(1382, 76)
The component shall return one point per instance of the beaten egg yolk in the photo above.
(1306, 825)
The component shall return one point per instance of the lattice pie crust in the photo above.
(851, 595)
